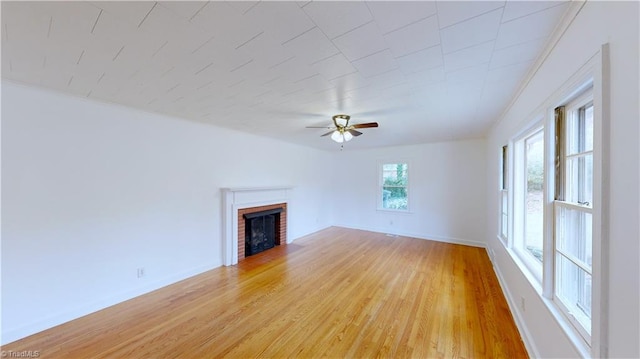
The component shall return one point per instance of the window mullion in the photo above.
(579, 154)
(584, 266)
(574, 206)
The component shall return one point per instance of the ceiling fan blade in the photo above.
(354, 132)
(327, 127)
(328, 133)
(365, 125)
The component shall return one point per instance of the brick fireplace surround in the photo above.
(238, 201)
(281, 225)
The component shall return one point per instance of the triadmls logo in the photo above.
(21, 354)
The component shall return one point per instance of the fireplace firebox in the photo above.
(261, 230)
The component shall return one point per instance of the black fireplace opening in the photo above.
(261, 231)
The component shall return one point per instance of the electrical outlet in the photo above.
(391, 223)
(522, 302)
(140, 272)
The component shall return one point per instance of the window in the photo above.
(394, 190)
(534, 159)
(557, 206)
(504, 195)
(573, 207)
(529, 200)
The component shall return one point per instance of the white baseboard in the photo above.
(513, 308)
(466, 242)
(306, 234)
(13, 334)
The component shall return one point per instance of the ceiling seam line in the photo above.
(145, 17)
(200, 9)
(251, 39)
(409, 24)
(364, 57)
(297, 36)
(96, 22)
(471, 18)
(354, 29)
(533, 13)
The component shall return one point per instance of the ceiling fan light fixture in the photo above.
(337, 136)
(341, 136)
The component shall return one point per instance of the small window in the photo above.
(394, 189)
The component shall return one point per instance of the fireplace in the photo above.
(261, 231)
(255, 222)
(242, 200)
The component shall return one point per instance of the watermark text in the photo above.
(20, 354)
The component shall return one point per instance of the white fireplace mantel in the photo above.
(237, 198)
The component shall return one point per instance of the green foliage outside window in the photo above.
(535, 179)
(535, 168)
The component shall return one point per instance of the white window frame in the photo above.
(379, 200)
(571, 109)
(517, 212)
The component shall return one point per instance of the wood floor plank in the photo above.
(338, 293)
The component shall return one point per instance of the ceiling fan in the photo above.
(342, 131)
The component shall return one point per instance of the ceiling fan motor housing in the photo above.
(341, 118)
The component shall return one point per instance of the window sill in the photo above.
(502, 240)
(396, 211)
(524, 269)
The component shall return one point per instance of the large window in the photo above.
(573, 207)
(565, 273)
(529, 200)
(557, 205)
(394, 186)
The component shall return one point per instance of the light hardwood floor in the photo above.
(337, 293)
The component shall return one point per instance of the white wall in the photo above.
(597, 23)
(92, 191)
(447, 191)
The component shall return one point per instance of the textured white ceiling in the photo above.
(425, 71)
